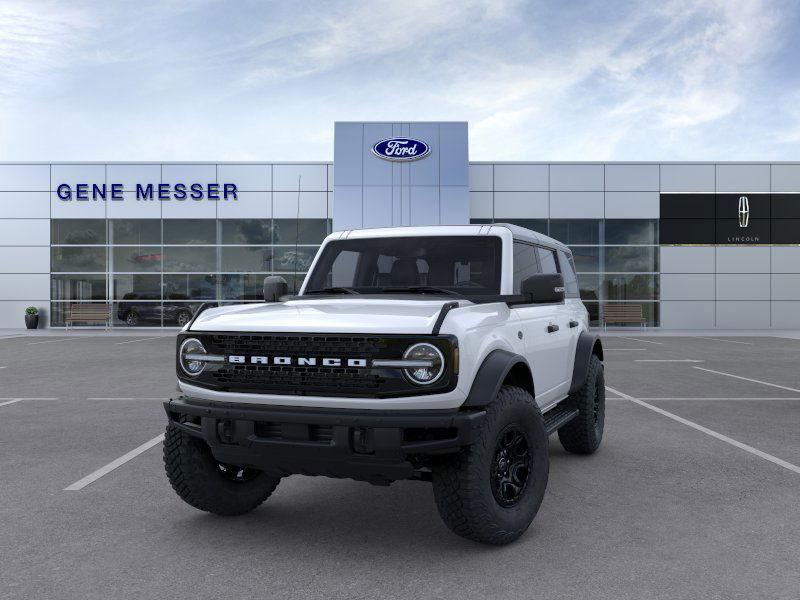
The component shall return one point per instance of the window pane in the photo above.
(190, 259)
(137, 287)
(631, 287)
(299, 231)
(247, 259)
(246, 231)
(525, 264)
(631, 259)
(92, 259)
(589, 287)
(190, 231)
(650, 312)
(194, 287)
(539, 225)
(570, 279)
(243, 287)
(137, 314)
(78, 231)
(128, 259)
(78, 287)
(136, 231)
(575, 231)
(587, 259)
(594, 313)
(290, 259)
(547, 260)
(631, 231)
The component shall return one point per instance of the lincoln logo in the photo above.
(400, 149)
(297, 361)
(744, 211)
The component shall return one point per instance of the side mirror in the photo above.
(275, 286)
(544, 288)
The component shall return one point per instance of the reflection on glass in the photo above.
(631, 287)
(575, 231)
(190, 287)
(190, 231)
(245, 259)
(589, 286)
(78, 287)
(246, 231)
(650, 312)
(135, 231)
(127, 259)
(299, 231)
(631, 231)
(587, 259)
(631, 259)
(78, 231)
(242, 287)
(594, 313)
(184, 259)
(290, 258)
(137, 287)
(90, 259)
(538, 225)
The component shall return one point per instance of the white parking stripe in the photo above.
(623, 349)
(4, 367)
(681, 360)
(130, 398)
(724, 438)
(700, 337)
(141, 340)
(10, 402)
(92, 477)
(640, 340)
(70, 339)
(775, 385)
(784, 398)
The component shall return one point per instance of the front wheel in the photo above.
(491, 491)
(206, 484)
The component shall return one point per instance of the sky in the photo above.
(260, 81)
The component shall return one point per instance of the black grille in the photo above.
(294, 379)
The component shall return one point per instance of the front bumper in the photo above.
(375, 446)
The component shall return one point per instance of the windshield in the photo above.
(461, 265)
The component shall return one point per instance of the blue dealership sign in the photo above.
(401, 149)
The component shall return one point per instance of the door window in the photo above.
(525, 264)
(547, 260)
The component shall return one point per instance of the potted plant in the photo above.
(31, 317)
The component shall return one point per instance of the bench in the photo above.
(623, 314)
(88, 312)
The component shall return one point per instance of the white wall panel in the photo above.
(743, 259)
(24, 232)
(24, 287)
(520, 178)
(480, 178)
(132, 208)
(249, 205)
(453, 163)
(314, 205)
(481, 205)
(785, 315)
(375, 171)
(330, 177)
(189, 209)
(785, 286)
(12, 312)
(631, 178)
(743, 178)
(188, 173)
(25, 178)
(246, 178)
(77, 209)
(426, 171)
(632, 205)
(687, 178)
(520, 205)
(687, 259)
(576, 178)
(785, 259)
(424, 205)
(347, 207)
(313, 178)
(785, 178)
(687, 315)
(378, 210)
(452, 208)
(24, 205)
(129, 175)
(576, 205)
(26, 259)
(72, 175)
(687, 286)
(745, 286)
(743, 315)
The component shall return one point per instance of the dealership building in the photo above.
(692, 245)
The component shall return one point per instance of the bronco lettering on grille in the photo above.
(298, 361)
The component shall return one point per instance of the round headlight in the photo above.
(428, 374)
(187, 355)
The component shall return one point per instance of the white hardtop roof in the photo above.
(518, 233)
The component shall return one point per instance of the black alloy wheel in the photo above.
(511, 466)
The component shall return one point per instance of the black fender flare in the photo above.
(588, 344)
(491, 375)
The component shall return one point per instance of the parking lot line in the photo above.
(7, 402)
(141, 340)
(624, 349)
(4, 367)
(640, 340)
(92, 477)
(680, 360)
(700, 337)
(784, 398)
(130, 398)
(775, 385)
(70, 339)
(723, 438)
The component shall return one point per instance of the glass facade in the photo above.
(616, 260)
(156, 272)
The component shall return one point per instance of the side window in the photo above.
(547, 258)
(570, 279)
(525, 264)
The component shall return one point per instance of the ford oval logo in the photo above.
(401, 148)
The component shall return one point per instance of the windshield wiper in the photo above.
(331, 290)
(420, 289)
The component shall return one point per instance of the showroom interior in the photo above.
(672, 238)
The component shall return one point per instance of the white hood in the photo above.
(329, 315)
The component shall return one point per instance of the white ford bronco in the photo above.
(446, 354)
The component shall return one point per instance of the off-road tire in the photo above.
(462, 483)
(584, 433)
(200, 482)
